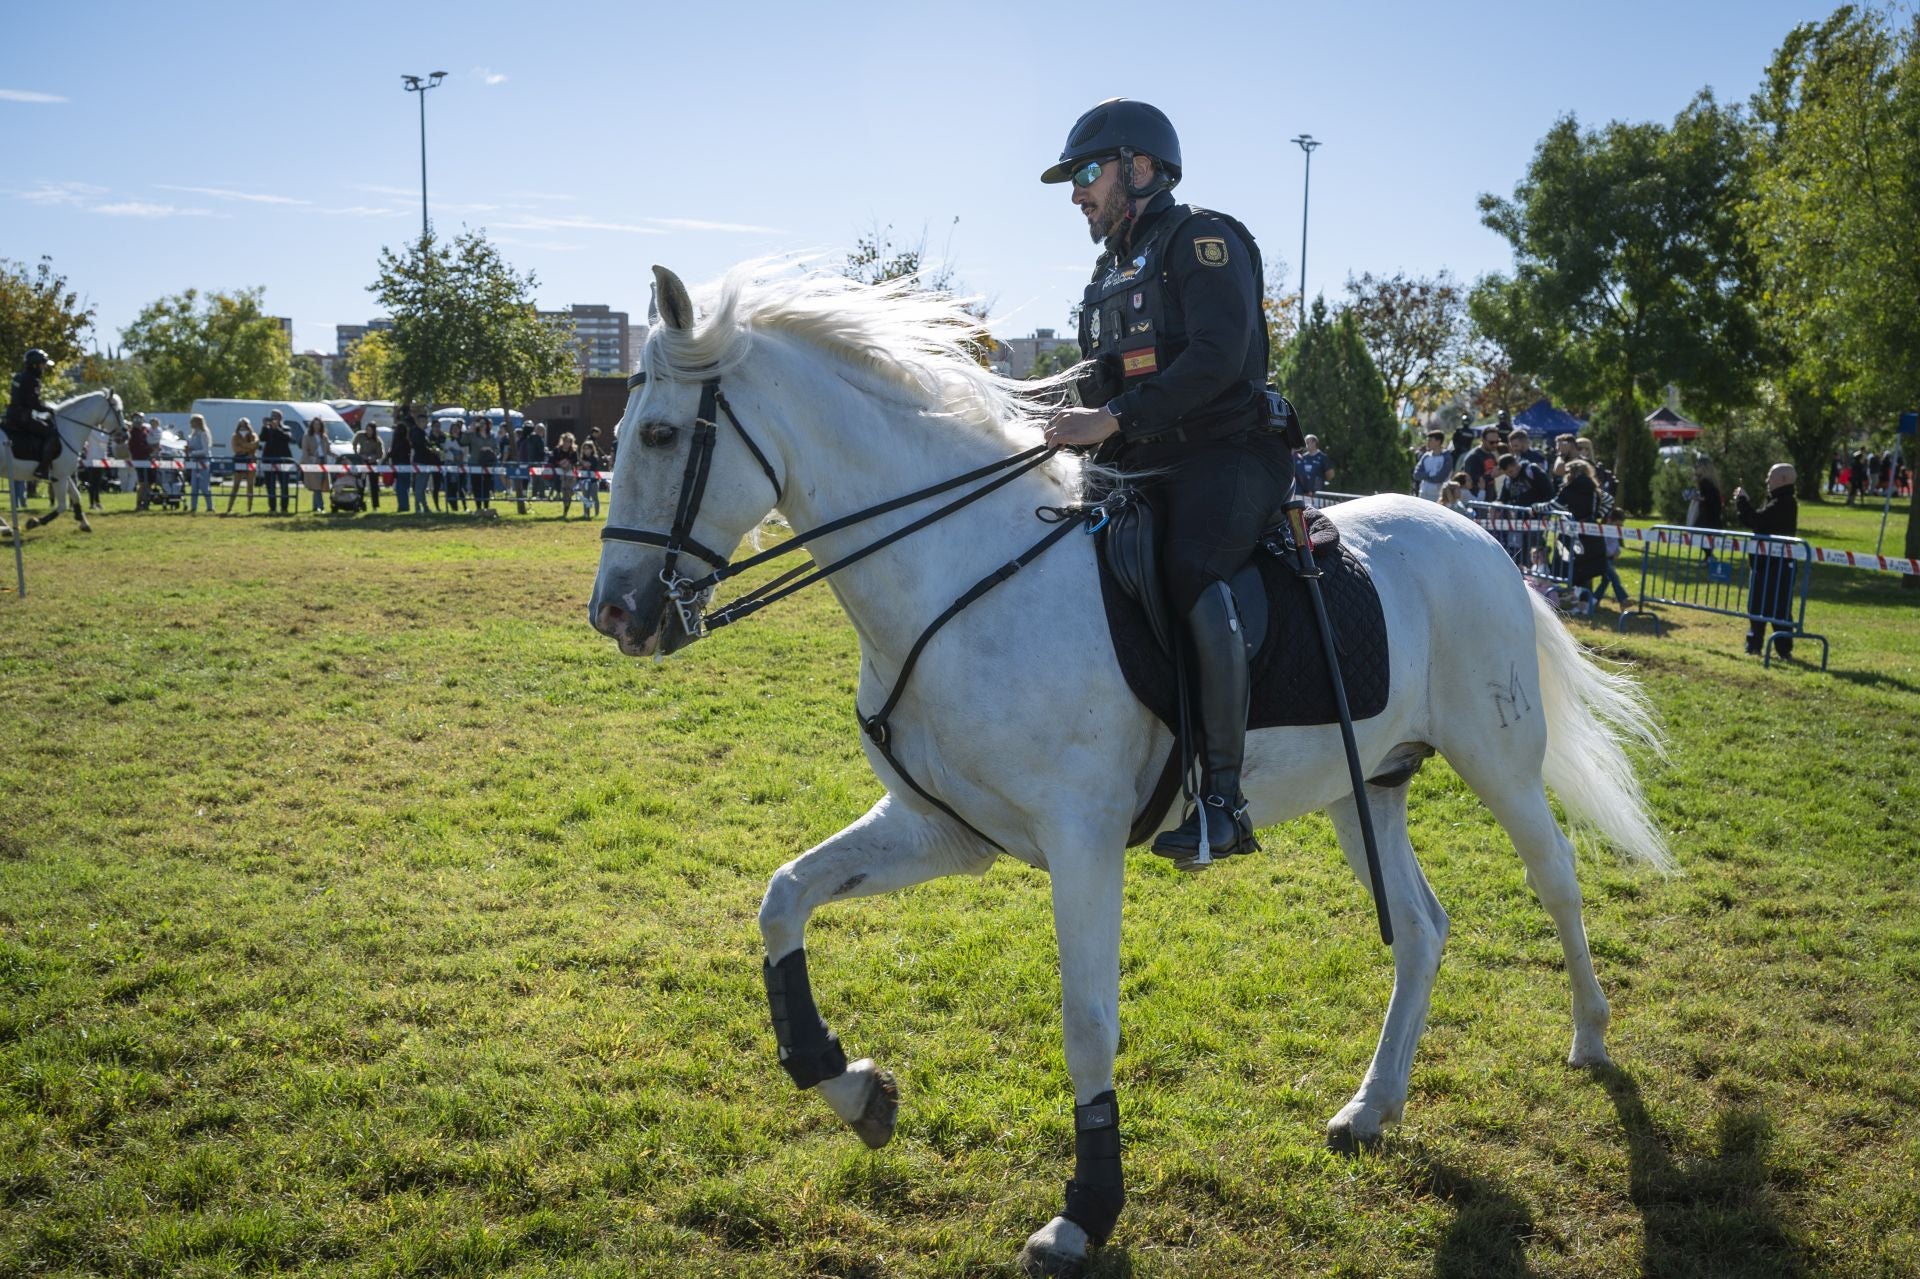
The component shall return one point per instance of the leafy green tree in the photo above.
(307, 381)
(1416, 329)
(370, 368)
(1835, 222)
(1333, 383)
(1630, 271)
(877, 257)
(219, 345)
(104, 372)
(464, 327)
(38, 309)
(1057, 360)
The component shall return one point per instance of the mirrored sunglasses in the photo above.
(1089, 173)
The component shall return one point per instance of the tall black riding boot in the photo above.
(1218, 825)
(49, 454)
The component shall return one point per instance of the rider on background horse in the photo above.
(1173, 317)
(29, 420)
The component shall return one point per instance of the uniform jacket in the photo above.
(1780, 516)
(1190, 299)
(25, 400)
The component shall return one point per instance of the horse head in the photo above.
(685, 489)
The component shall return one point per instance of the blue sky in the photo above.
(154, 147)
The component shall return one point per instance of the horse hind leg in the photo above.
(1419, 934)
(890, 848)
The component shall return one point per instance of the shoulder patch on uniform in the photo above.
(1211, 250)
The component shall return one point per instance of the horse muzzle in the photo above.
(648, 622)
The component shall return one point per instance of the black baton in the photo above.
(1310, 573)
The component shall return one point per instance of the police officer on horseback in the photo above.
(29, 420)
(1174, 326)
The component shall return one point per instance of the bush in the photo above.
(1673, 490)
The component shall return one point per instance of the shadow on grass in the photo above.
(1490, 1230)
(1709, 1216)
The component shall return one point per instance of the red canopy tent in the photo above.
(1669, 427)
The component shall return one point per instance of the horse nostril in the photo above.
(611, 619)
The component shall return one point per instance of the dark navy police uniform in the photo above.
(1179, 324)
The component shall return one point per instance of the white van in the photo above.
(223, 415)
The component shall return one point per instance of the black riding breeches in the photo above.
(1215, 502)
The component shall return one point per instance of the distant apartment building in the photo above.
(286, 328)
(1015, 357)
(345, 335)
(600, 335)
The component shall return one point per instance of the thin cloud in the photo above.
(487, 75)
(578, 224)
(223, 193)
(146, 209)
(362, 211)
(700, 224)
(74, 193)
(551, 246)
(28, 95)
(377, 190)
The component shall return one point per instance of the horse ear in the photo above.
(670, 299)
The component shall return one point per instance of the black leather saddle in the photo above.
(1292, 685)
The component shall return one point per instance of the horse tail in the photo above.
(1592, 714)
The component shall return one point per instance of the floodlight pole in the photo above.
(420, 85)
(1306, 143)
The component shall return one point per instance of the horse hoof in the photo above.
(1058, 1250)
(877, 1117)
(1354, 1129)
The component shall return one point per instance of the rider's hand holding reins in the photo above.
(1072, 427)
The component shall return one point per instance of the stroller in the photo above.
(349, 494)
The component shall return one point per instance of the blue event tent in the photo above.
(1544, 422)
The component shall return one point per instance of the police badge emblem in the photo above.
(1140, 301)
(1211, 250)
(1096, 326)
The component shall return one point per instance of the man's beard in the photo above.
(1108, 216)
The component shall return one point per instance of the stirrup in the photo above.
(1205, 853)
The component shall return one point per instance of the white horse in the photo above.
(1018, 718)
(73, 418)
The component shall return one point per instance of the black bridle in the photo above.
(689, 593)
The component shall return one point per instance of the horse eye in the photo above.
(657, 435)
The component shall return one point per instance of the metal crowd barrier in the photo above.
(1760, 578)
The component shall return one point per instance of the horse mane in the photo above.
(911, 342)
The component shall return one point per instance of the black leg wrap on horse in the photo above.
(1096, 1195)
(809, 1052)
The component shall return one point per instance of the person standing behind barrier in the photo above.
(366, 447)
(1610, 570)
(1312, 469)
(93, 463)
(425, 457)
(485, 449)
(1431, 469)
(1581, 497)
(589, 477)
(246, 449)
(1480, 464)
(314, 456)
(523, 454)
(1770, 598)
(1705, 507)
(140, 454)
(1520, 444)
(565, 461)
(276, 459)
(199, 465)
(400, 456)
(453, 455)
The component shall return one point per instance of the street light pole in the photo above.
(1306, 143)
(420, 85)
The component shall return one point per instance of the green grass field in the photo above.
(363, 913)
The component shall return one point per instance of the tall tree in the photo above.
(128, 377)
(308, 381)
(1630, 270)
(221, 345)
(38, 309)
(371, 371)
(464, 325)
(1835, 222)
(1331, 380)
(1416, 330)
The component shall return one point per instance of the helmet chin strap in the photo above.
(1123, 236)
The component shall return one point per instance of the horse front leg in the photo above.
(891, 847)
(79, 506)
(1086, 922)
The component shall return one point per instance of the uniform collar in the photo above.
(1143, 224)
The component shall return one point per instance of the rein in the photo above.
(687, 593)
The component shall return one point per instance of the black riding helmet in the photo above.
(1121, 126)
(38, 359)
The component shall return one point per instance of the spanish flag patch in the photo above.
(1211, 250)
(1139, 363)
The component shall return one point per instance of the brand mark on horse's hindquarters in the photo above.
(1510, 696)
